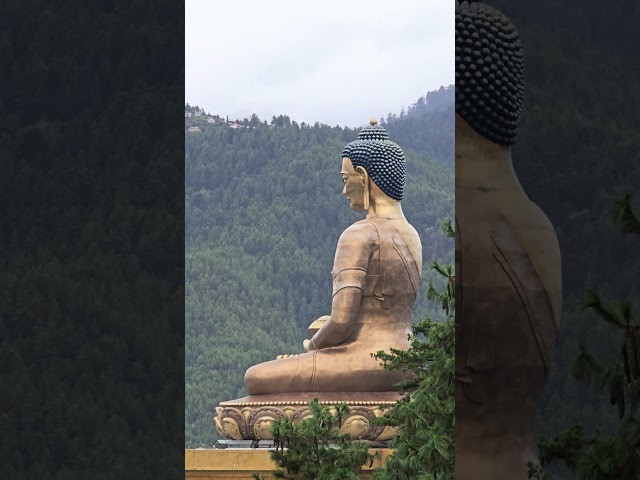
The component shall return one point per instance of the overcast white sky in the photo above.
(331, 61)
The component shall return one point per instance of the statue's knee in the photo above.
(254, 380)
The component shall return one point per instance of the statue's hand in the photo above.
(318, 324)
(308, 346)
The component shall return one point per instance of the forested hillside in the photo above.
(263, 215)
(427, 125)
(579, 146)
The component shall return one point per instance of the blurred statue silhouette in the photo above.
(508, 269)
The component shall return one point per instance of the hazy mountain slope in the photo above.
(427, 125)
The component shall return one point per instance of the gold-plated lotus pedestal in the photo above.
(250, 418)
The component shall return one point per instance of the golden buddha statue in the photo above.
(508, 269)
(376, 276)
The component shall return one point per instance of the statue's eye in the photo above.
(344, 179)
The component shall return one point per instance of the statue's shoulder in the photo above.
(363, 230)
(410, 230)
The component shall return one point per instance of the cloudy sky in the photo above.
(332, 61)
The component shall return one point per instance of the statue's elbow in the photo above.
(341, 331)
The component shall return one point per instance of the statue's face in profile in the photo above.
(355, 185)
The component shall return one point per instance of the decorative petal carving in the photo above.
(252, 421)
(260, 422)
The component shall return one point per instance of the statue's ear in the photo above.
(364, 174)
(365, 182)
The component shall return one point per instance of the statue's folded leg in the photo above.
(290, 374)
(327, 370)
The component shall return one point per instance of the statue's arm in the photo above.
(349, 275)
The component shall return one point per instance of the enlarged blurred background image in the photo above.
(568, 124)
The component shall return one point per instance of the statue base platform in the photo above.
(250, 418)
(209, 464)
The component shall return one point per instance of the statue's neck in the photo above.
(480, 163)
(384, 207)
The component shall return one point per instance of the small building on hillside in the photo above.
(210, 120)
(194, 129)
(234, 125)
(188, 114)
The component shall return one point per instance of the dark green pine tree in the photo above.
(314, 449)
(596, 456)
(424, 448)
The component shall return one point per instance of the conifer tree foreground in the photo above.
(314, 449)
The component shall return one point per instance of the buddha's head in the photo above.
(373, 168)
(489, 72)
